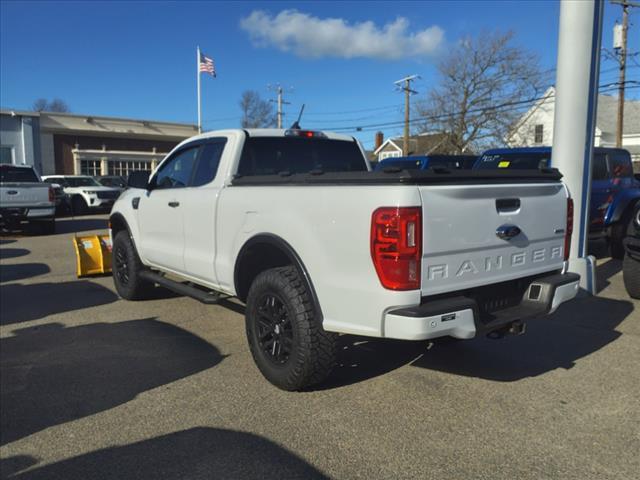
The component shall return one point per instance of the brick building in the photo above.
(71, 144)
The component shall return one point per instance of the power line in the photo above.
(387, 107)
(500, 107)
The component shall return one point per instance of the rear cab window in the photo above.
(620, 163)
(599, 168)
(275, 155)
(9, 174)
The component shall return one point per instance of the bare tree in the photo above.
(256, 112)
(39, 105)
(56, 105)
(484, 85)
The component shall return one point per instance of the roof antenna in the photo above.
(296, 124)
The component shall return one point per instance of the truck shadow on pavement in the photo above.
(21, 271)
(51, 375)
(6, 253)
(72, 225)
(23, 303)
(607, 270)
(576, 330)
(197, 453)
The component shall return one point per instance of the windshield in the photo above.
(17, 175)
(81, 182)
(514, 161)
(273, 155)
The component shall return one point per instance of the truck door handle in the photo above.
(504, 205)
(174, 204)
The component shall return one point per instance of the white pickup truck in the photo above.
(25, 198)
(294, 224)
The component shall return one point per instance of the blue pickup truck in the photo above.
(614, 189)
(423, 162)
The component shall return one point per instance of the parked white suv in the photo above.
(84, 192)
(295, 225)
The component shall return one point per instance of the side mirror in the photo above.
(139, 179)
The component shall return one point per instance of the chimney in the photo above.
(379, 140)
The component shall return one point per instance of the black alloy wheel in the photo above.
(275, 333)
(121, 265)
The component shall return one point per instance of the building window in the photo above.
(6, 154)
(384, 155)
(90, 167)
(539, 134)
(124, 167)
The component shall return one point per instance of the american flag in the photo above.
(206, 65)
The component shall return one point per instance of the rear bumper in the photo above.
(27, 213)
(462, 317)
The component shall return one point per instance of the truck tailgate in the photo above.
(461, 245)
(17, 195)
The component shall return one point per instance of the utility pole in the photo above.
(404, 84)
(620, 46)
(279, 90)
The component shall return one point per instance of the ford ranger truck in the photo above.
(294, 224)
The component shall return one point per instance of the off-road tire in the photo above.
(313, 351)
(126, 267)
(631, 275)
(619, 232)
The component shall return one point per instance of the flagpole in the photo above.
(198, 77)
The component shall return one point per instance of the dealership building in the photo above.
(71, 144)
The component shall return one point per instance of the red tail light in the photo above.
(52, 194)
(569, 230)
(396, 246)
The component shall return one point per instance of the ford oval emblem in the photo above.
(507, 232)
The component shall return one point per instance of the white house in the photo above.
(535, 127)
(428, 143)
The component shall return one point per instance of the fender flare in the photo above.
(623, 204)
(293, 257)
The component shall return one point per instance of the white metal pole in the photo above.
(198, 77)
(574, 119)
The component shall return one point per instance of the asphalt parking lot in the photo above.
(94, 387)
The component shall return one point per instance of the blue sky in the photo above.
(138, 59)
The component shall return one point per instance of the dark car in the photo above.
(614, 190)
(112, 181)
(423, 162)
(631, 262)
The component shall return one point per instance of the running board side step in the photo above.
(209, 298)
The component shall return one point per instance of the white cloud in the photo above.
(313, 37)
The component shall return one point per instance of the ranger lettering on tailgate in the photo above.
(489, 264)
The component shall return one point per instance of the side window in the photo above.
(176, 171)
(208, 163)
(599, 168)
(620, 164)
